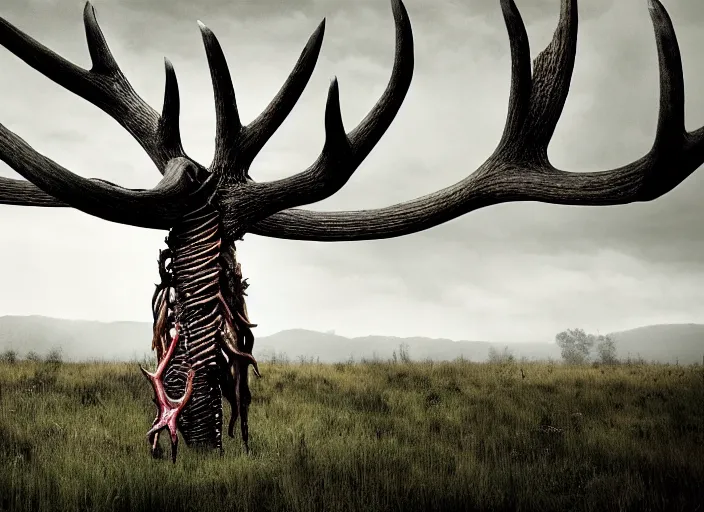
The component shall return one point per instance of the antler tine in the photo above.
(236, 146)
(519, 169)
(521, 83)
(343, 153)
(168, 129)
(257, 133)
(100, 55)
(162, 141)
(552, 72)
(328, 174)
(370, 130)
(670, 130)
(104, 85)
(227, 118)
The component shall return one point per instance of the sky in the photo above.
(512, 272)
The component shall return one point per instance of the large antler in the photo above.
(105, 86)
(342, 152)
(243, 200)
(519, 169)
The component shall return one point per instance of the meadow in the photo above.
(392, 436)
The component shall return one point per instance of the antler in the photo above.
(519, 169)
(106, 87)
(236, 146)
(344, 152)
(157, 208)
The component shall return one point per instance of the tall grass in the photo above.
(376, 436)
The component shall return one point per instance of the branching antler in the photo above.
(157, 208)
(519, 169)
(344, 152)
(236, 146)
(106, 87)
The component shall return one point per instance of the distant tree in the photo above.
(404, 353)
(54, 357)
(9, 356)
(606, 349)
(504, 356)
(575, 345)
(33, 356)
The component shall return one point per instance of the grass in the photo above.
(375, 436)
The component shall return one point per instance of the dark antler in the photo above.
(236, 146)
(157, 208)
(519, 169)
(106, 87)
(344, 152)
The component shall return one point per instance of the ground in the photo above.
(367, 436)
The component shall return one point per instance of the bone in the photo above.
(159, 328)
(229, 340)
(168, 408)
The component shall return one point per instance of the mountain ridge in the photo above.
(129, 340)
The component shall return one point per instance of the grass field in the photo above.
(373, 436)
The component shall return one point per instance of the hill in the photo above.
(123, 341)
(665, 343)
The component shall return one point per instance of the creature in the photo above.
(202, 332)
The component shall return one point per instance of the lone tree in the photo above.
(202, 332)
(606, 348)
(575, 345)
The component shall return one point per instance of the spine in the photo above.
(195, 275)
(199, 307)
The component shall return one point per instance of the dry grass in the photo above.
(374, 436)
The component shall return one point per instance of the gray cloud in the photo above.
(509, 272)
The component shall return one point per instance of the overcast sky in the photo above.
(515, 272)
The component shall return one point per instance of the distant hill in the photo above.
(300, 343)
(77, 339)
(89, 340)
(666, 343)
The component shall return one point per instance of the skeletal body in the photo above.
(211, 339)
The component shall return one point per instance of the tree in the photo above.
(9, 356)
(33, 357)
(504, 356)
(606, 348)
(575, 345)
(202, 332)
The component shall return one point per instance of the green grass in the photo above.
(374, 436)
